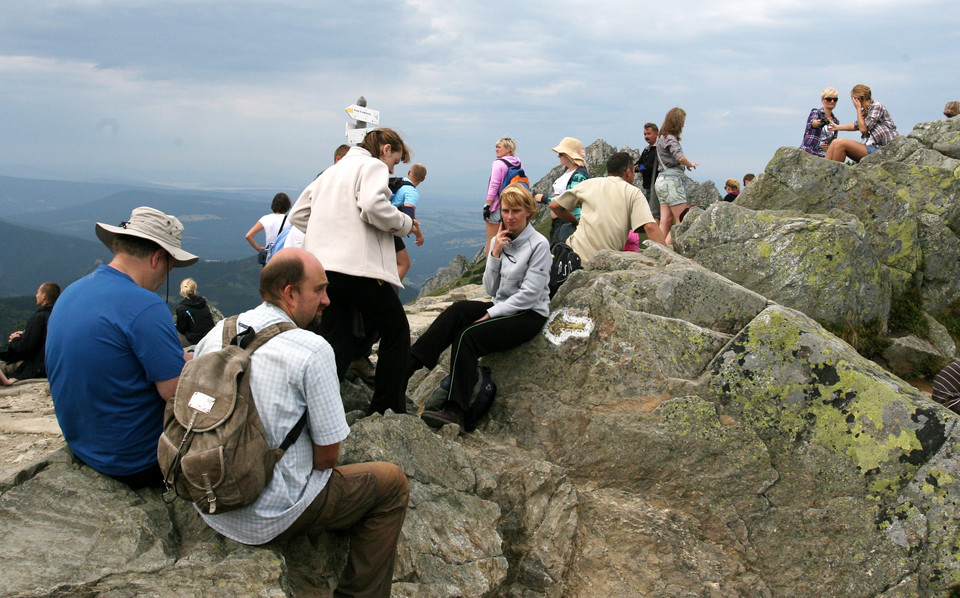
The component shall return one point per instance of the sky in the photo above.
(252, 95)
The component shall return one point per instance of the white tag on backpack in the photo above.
(201, 402)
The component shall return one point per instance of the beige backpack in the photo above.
(213, 450)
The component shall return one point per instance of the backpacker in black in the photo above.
(484, 391)
(565, 261)
(213, 450)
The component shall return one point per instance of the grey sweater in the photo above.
(517, 280)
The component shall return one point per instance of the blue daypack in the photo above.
(279, 242)
(515, 174)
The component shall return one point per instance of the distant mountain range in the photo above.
(48, 232)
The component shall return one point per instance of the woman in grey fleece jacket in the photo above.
(516, 276)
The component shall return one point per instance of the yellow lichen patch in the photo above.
(863, 439)
(763, 249)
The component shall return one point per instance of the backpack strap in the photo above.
(229, 330)
(260, 338)
(265, 334)
(294, 434)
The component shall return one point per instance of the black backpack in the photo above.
(484, 392)
(396, 183)
(565, 261)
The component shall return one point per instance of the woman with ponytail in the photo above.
(349, 224)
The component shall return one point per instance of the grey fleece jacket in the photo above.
(518, 279)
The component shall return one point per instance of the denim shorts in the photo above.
(871, 149)
(671, 190)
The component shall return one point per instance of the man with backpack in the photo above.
(611, 207)
(295, 373)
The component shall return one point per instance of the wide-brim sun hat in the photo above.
(152, 225)
(573, 149)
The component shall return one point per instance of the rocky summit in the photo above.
(869, 250)
(677, 429)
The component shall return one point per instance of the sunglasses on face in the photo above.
(831, 99)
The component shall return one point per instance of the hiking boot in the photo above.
(450, 414)
(363, 369)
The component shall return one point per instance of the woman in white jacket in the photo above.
(516, 276)
(349, 224)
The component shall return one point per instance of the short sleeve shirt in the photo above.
(293, 372)
(108, 342)
(406, 195)
(611, 208)
(271, 226)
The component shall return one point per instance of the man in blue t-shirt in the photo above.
(113, 356)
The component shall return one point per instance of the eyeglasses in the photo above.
(831, 99)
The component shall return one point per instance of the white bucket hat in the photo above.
(152, 225)
(573, 149)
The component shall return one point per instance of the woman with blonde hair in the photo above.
(670, 185)
(816, 136)
(874, 123)
(733, 189)
(516, 277)
(194, 319)
(349, 225)
(505, 149)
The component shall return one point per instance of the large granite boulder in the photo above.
(773, 460)
(844, 244)
(818, 265)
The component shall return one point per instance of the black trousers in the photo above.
(381, 309)
(456, 327)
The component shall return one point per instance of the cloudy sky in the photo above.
(253, 94)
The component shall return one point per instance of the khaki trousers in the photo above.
(369, 501)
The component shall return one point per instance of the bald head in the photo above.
(294, 281)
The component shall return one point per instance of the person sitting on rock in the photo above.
(873, 122)
(732, 188)
(611, 207)
(294, 372)
(946, 387)
(24, 356)
(516, 275)
(113, 356)
(194, 319)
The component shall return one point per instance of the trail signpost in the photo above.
(364, 116)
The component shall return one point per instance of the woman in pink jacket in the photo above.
(491, 211)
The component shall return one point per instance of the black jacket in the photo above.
(30, 346)
(648, 159)
(194, 319)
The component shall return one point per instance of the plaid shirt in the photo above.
(880, 127)
(946, 387)
(814, 138)
(293, 372)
